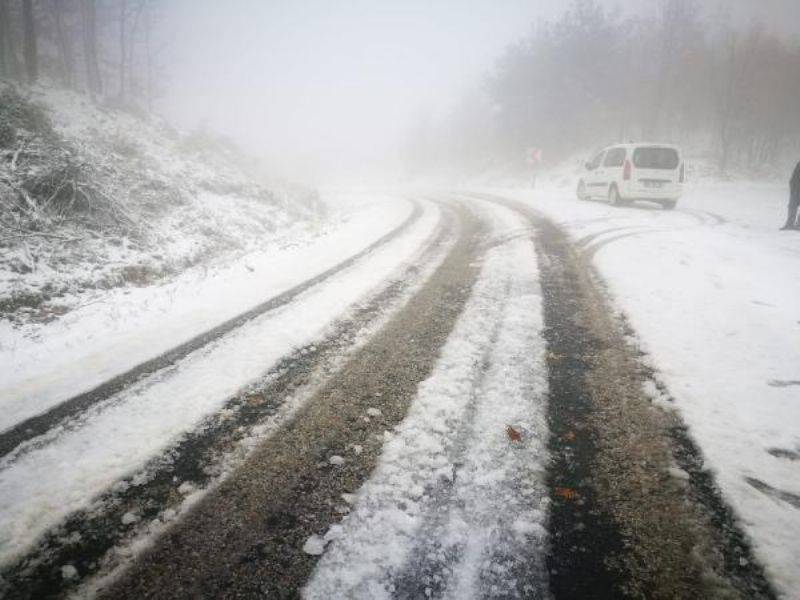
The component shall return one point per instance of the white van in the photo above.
(628, 172)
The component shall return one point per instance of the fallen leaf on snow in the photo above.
(513, 434)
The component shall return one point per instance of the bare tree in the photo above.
(3, 38)
(123, 52)
(726, 103)
(135, 15)
(63, 42)
(89, 18)
(7, 23)
(30, 53)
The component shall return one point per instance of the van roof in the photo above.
(643, 144)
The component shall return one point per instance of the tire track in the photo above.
(245, 538)
(453, 509)
(434, 558)
(621, 525)
(27, 430)
(90, 539)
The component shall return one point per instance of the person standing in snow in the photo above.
(794, 200)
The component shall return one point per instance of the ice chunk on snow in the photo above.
(186, 488)
(315, 545)
(678, 473)
(128, 518)
(69, 572)
(168, 515)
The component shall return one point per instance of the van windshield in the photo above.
(656, 158)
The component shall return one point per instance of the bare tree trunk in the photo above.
(123, 53)
(89, 17)
(137, 18)
(726, 111)
(30, 54)
(63, 42)
(4, 70)
(12, 60)
(148, 50)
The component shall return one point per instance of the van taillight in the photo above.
(626, 172)
(683, 173)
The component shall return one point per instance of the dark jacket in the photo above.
(794, 183)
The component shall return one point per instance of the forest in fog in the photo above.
(105, 48)
(671, 73)
(663, 70)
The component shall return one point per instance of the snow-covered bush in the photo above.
(93, 197)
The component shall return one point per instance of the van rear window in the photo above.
(656, 158)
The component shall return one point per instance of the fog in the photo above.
(323, 85)
(318, 89)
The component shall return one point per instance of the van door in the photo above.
(612, 168)
(593, 174)
(656, 171)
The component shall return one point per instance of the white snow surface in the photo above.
(450, 482)
(41, 365)
(64, 470)
(713, 291)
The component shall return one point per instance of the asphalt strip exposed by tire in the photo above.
(246, 537)
(622, 524)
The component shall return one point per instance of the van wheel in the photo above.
(613, 197)
(581, 192)
(669, 204)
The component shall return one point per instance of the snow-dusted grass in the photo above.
(66, 469)
(122, 201)
(450, 481)
(42, 364)
(713, 292)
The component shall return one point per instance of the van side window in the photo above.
(615, 157)
(597, 160)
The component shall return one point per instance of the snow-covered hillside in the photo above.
(94, 198)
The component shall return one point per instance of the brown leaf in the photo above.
(513, 434)
(566, 493)
(255, 399)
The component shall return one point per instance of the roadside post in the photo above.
(534, 160)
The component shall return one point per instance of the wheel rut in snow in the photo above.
(35, 426)
(429, 569)
(88, 538)
(583, 535)
(246, 537)
(622, 524)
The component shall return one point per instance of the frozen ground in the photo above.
(712, 291)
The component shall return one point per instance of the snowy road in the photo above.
(710, 291)
(36, 402)
(458, 411)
